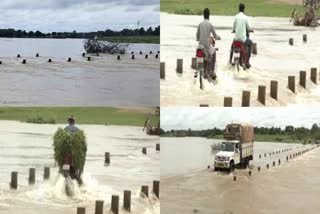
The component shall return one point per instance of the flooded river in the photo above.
(24, 146)
(291, 187)
(276, 60)
(104, 81)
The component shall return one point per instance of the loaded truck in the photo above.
(236, 148)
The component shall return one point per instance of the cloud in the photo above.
(207, 118)
(80, 15)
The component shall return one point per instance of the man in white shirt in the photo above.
(241, 29)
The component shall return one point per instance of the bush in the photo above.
(66, 143)
(41, 120)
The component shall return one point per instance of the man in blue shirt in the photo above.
(71, 127)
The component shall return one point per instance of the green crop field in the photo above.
(227, 7)
(86, 115)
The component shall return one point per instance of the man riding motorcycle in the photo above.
(204, 32)
(241, 29)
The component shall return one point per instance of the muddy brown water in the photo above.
(23, 146)
(104, 81)
(291, 187)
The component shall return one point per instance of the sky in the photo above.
(199, 118)
(80, 15)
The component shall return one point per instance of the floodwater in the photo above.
(276, 60)
(290, 187)
(104, 81)
(24, 146)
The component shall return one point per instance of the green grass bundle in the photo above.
(66, 143)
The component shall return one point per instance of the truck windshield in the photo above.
(227, 147)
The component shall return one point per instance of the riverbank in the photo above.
(267, 8)
(133, 39)
(88, 115)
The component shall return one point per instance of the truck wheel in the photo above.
(232, 166)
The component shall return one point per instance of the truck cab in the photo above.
(228, 156)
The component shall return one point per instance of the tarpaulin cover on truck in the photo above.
(242, 132)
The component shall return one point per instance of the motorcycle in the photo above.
(206, 65)
(238, 53)
(70, 173)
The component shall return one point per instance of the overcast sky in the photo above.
(205, 118)
(79, 15)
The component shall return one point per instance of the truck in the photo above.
(237, 147)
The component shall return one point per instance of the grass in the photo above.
(89, 115)
(270, 138)
(223, 7)
(133, 39)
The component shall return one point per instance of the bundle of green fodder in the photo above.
(70, 143)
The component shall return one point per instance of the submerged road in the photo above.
(292, 187)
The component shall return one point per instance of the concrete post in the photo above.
(254, 48)
(156, 188)
(127, 200)
(14, 180)
(274, 89)
(245, 99)
(313, 75)
(99, 207)
(227, 102)
(194, 63)
(32, 176)
(115, 204)
(144, 150)
(46, 174)
(145, 191)
(180, 66)
(303, 76)
(81, 210)
(292, 84)
(291, 41)
(304, 37)
(262, 94)
(162, 70)
(107, 158)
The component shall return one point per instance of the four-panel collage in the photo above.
(87, 100)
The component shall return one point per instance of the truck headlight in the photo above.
(227, 158)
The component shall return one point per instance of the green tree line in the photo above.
(298, 133)
(12, 33)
